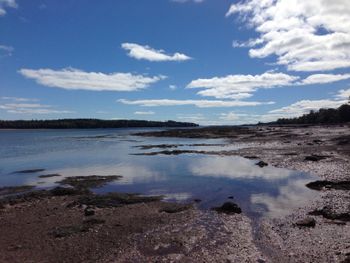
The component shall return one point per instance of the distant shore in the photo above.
(89, 124)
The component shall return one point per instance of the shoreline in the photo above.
(161, 231)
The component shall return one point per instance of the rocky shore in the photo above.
(71, 224)
(319, 232)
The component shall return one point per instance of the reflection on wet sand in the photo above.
(290, 196)
(130, 174)
(236, 167)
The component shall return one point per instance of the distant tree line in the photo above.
(88, 124)
(339, 115)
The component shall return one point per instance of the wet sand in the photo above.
(51, 229)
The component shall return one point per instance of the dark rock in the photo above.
(261, 164)
(161, 146)
(49, 175)
(29, 171)
(251, 157)
(327, 213)
(91, 181)
(306, 222)
(315, 158)
(89, 211)
(197, 200)
(174, 208)
(228, 208)
(320, 185)
(61, 191)
(115, 199)
(230, 197)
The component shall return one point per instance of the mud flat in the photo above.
(77, 226)
(69, 223)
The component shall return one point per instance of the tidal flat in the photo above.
(213, 194)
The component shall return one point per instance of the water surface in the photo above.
(213, 179)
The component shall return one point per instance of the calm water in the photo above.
(259, 191)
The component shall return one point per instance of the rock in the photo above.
(61, 191)
(230, 197)
(228, 208)
(261, 164)
(315, 158)
(91, 181)
(197, 200)
(49, 175)
(327, 213)
(251, 157)
(325, 184)
(174, 208)
(29, 171)
(306, 222)
(89, 211)
(115, 199)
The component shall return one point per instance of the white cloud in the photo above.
(17, 99)
(172, 87)
(324, 78)
(74, 79)
(230, 116)
(304, 35)
(240, 86)
(6, 50)
(144, 112)
(31, 108)
(197, 103)
(343, 94)
(198, 117)
(147, 53)
(7, 3)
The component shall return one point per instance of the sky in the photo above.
(204, 61)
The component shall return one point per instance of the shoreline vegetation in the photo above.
(89, 124)
(322, 116)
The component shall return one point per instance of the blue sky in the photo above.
(206, 61)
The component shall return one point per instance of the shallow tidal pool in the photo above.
(212, 179)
